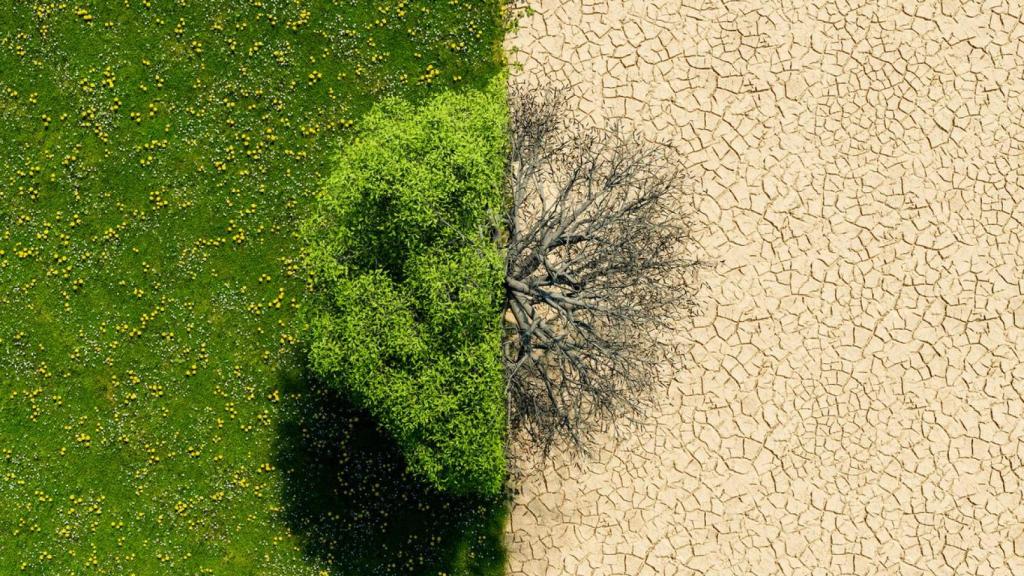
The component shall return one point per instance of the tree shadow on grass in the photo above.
(348, 498)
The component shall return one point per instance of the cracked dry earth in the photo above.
(852, 399)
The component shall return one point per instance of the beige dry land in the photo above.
(852, 400)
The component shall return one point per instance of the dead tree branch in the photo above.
(598, 262)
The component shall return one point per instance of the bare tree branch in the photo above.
(598, 261)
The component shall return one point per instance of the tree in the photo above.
(596, 263)
(479, 258)
(406, 282)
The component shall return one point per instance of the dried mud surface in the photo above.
(852, 399)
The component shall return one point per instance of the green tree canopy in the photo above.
(407, 282)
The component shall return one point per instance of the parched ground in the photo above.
(852, 400)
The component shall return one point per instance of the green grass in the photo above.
(155, 416)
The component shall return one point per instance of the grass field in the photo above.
(155, 416)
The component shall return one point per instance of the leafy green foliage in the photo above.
(408, 282)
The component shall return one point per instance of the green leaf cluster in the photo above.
(407, 282)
